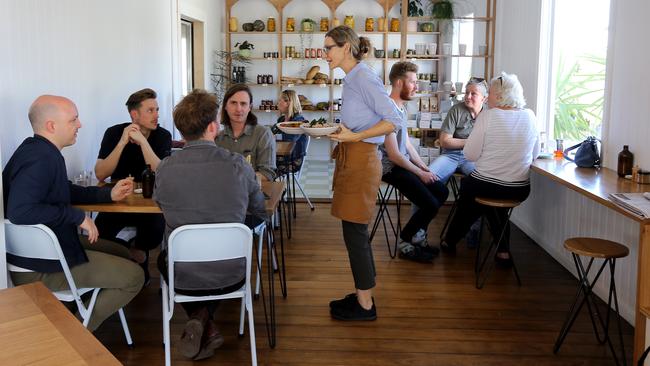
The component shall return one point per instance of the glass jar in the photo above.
(233, 24)
(270, 24)
(349, 21)
(381, 24)
(324, 24)
(335, 22)
(291, 24)
(394, 24)
(370, 24)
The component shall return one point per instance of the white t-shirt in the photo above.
(503, 144)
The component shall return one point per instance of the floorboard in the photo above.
(428, 314)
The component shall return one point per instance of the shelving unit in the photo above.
(439, 64)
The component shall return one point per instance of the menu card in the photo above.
(636, 203)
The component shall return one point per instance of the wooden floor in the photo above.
(428, 314)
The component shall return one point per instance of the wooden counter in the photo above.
(35, 328)
(597, 184)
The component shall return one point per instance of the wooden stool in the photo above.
(594, 248)
(453, 183)
(480, 269)
(396, 228)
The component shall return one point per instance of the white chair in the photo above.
(299, 174)
(207, 243)
(39, 242)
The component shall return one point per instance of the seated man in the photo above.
(403, 168)
(126, 150)
(37, 191)
(456, 128)
(200, 184)
(242, 134)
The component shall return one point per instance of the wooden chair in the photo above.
(483, 266)
(594, 249)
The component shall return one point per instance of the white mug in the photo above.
(446, 48)
(432, 48)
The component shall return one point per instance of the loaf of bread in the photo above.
(312, 72)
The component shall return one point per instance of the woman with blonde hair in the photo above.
(367, 115)
(290, 110)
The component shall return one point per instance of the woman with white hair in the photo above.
(502, 144)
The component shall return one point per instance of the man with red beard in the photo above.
(126, 150)
(404, 169)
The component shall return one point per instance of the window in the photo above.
(187, 59)
(572, 68)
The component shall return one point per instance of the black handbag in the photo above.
(587, 155)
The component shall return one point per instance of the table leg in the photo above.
(642, 291)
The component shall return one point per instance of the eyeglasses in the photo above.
(327, 49)
(475, 80)
(500, 78)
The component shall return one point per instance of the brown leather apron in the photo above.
(357, 176)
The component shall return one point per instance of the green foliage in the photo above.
(579, 98)
(415, 8)
(442, 9)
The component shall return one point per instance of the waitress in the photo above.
(368, 114)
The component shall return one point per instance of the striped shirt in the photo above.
(503, 144)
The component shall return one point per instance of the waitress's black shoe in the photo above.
(352, 310)
(349, 298)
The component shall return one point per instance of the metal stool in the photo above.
(383, 197)
(594, 248)
(480, 269)
(455, 190)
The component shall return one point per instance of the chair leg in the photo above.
(260, 241)
(251, 327)
(166, 318)
(481, 275)
(241, 316)
(304, 195)
(125, 326)
(87, 312)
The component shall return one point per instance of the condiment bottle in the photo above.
(233, 24)
(291, 24)
(625, 161)
(370, 24)
(394, 24)
(349, 21)
(335, 22)
(148, 181)
(559, 148)
(324, 24)
(270, 24)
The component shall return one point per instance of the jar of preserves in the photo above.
(335, 22)
(270, 24)
(349, 21)
(324, 24)
(291, 24)
(370, 24)
(381, 24)
(394, 24)
(232, 24)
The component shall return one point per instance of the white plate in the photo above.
(319, 131)
(137, 191)
(290, 130)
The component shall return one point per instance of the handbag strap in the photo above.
(566, 151)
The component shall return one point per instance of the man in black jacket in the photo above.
(37, 191)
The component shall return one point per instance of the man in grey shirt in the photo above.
(200, 184)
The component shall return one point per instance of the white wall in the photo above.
(553, 213)
(94, 52)
(211, 13)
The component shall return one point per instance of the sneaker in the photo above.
(352, 310)
(190, 342)
(414, 253)
(419, 237)
(349, 298)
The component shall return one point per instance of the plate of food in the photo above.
(319, 127)
(291, 128)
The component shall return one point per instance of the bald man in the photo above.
(37, 191)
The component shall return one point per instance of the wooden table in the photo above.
(136, 203)
(36, 329)
(597, 184)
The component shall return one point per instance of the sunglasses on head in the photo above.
(475, 80)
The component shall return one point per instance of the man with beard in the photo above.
(126, 150)
(404, 169)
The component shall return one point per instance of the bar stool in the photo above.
(453, 183)
(480, 269)
(383, 213)
(594, 248)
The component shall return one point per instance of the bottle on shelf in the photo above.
(625, 162)
(148, 181)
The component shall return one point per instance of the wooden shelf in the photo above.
(645, 311)
(424, 33)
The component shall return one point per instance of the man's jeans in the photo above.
(448, 162)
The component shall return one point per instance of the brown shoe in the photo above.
(190, 343)
(207, 349)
